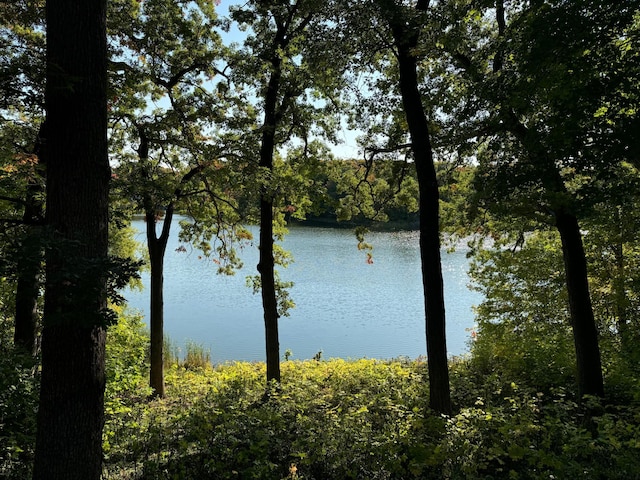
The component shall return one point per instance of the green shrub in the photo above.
(540, 355)
(19, 388)
(326, 420)
(535, 436)
(127, 383)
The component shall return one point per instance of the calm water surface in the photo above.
(345, 307)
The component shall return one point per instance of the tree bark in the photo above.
(585, 333)
(71, 410)
(439, 392)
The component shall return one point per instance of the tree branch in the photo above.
(196, 170)
(17, 201)
(173, 81)
(422, 5)
(396, 148)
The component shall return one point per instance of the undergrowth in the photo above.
(364, 419)
(335, 419)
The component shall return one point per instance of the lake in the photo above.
(345, 306)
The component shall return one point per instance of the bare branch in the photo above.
(177, 77)
(377, 150)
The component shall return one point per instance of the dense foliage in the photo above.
(365, 419)
(340, 419)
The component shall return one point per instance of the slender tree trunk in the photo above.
(620, 295)
(28, 292)
(266, 265)
(30, 260)
(266, 269)
(585, 333)
(439, 391)
(157, 247)
(619, 284)
(71, 410)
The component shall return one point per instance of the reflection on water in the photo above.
(345, 306)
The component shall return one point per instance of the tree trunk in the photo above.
(266, 265)
(71, 414)
(71, 410)
(439, 391)
(28, 292)
(30, 260)
(157, 247)
(266, 268)
(619, 285)
(585, 333)
(621, 299)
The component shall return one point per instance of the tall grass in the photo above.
(194, 355)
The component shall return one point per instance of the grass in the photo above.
(194, 356)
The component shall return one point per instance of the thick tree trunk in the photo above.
(71, 414)
(439, 391)
(585, 333)
(157, 247)
(266, 265)
(71, 410)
